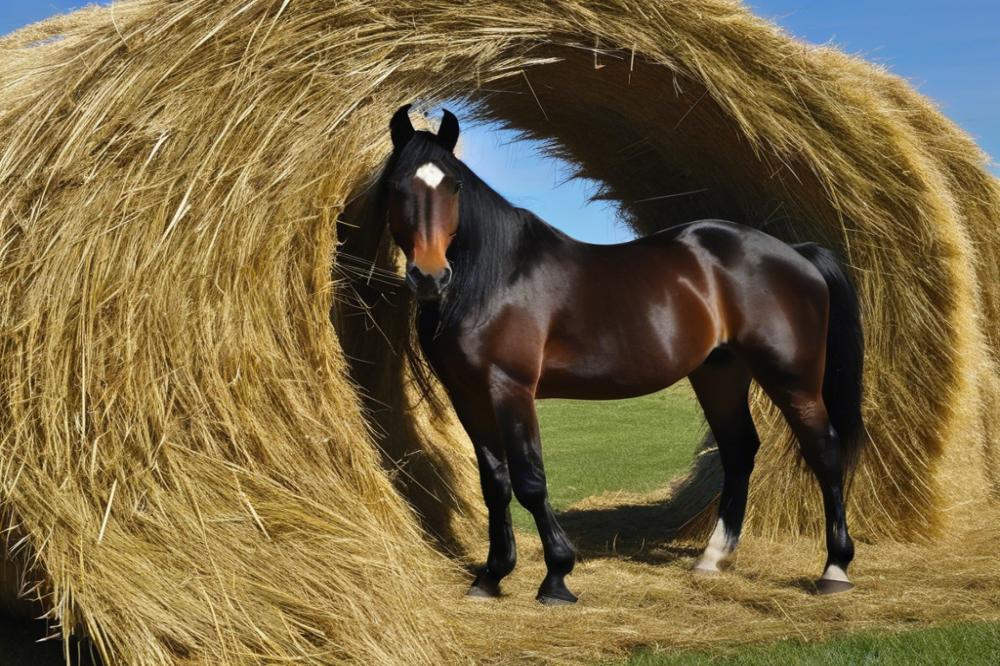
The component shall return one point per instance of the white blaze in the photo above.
(430, 174)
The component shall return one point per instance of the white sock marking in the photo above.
(833, 572)
(717, 550)
(430, 174)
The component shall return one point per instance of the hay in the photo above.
(200, 473)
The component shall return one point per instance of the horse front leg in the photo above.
(514, 406)
(475, 411)
(495, 479)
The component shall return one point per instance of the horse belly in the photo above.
(622, 355)
(608, 374)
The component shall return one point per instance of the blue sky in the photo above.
(949, 51)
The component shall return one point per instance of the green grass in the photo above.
(591, 447)
(966, 644)
(638, 445)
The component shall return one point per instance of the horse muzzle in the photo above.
(428, 286)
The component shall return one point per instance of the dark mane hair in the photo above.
(491, 232)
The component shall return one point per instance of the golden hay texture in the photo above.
(202, 470)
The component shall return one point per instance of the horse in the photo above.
(511, 310)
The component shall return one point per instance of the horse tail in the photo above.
(845, 351)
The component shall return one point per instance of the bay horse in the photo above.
(511, 310)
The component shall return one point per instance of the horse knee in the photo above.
(494, 478)
(531, 492)
(497, 494)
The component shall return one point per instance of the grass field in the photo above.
(592, 447)
(961, 644)
(638, 445)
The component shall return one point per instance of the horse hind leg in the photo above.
(806, 413)
(822, 451)
(722, 385)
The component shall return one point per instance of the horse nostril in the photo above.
(427, 286)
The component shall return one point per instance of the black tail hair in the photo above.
(845, 352)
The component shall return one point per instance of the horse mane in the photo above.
(487, 250)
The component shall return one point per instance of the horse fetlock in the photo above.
(560, 557)
(840, 547)
(720, 546)
(846, 549)
(500, 566)
(485, 586)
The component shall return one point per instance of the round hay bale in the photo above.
(203, 471)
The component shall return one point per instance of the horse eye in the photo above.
(458, 186)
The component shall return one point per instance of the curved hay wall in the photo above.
(183, 450)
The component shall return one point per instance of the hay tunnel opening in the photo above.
(667, 148)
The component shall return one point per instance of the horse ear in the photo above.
(447, 134)
(400, 127)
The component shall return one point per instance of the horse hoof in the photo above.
(484, 587)
(825, 586)
(477, 592)
(554, 592)
(705, 572)
(555, 601)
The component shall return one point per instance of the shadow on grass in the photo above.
(656, 532)
(637, 532)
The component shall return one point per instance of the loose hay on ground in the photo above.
(201, 475)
